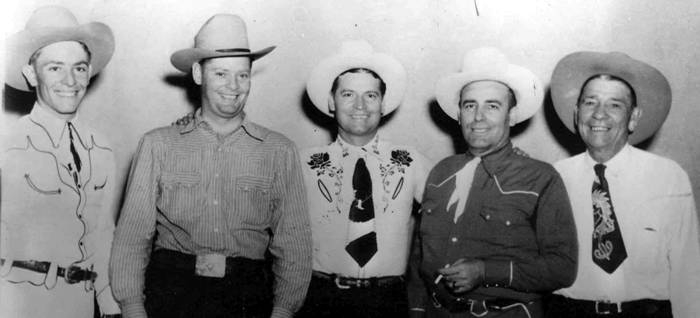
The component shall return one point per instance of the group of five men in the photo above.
(222, 217)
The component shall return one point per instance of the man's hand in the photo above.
(184, 120)
(463, 275)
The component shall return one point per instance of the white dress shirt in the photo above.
(396, 183)
(654, 205)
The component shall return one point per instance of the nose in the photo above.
(479, 114)
(360, 102)
(69, 79)
(233, 83)
(599, 111)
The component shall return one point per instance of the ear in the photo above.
(634, 118)
(331, 103)
(197, 73)
(29, 74)
(575, 118)
(513, 116)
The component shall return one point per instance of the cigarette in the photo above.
(440, 277)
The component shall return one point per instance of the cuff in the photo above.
(133, 308)
(281, 312)
(498, 273)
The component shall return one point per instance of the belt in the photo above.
(635, 307)
(169, 260)
(72, 274)
(348, 282)
(476, 307)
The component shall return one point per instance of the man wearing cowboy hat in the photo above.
(58, 175)
(635, 213)
(361, 189)
(496, 226)
(213, 196)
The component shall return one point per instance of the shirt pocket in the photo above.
(253, 202)
(181, 196)
(510, 220)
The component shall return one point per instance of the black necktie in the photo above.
(73, 152)
(608, 247)
(363, 244)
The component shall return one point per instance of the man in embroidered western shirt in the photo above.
(58, 185)
(361, 189)
(496, 227)
(214, 196)
(635, 212)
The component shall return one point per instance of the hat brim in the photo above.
(96, 36)
(651, 88)
(319, 84)
(183, 59)
(527, 88)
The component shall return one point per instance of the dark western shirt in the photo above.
(517, 219)
(236, 195)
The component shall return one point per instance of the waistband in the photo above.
(603, 308)
(72, 274)
(173, 261)
(478, 307)
(349, 282)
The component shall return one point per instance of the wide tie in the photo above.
(362, 238)
(608, 247)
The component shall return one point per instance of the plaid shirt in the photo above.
(205, 193)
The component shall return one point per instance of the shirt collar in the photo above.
(494, 162)
(614, 165)
(250, 128)
(372, 147)
(54, 126)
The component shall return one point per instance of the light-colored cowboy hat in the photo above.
(489, 63)
(53, 24)
(223, 35)
(650, 86)
(357, 54)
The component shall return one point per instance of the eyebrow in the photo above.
(486, 101)
(62, 63)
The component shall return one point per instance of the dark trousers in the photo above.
(174, 291)
(325, 299)
(560, 306)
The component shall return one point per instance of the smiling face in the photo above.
(605, 116)
(60, 73)
(225, 85)
(484, 115)
(357, 105)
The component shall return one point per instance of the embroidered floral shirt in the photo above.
(398, 175)
(57, 206)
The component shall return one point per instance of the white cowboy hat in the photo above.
(223, 35)
(357, 54)
(53, 24)
(489, 63)
(650, 87)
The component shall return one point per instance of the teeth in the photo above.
(599, 128)
(66, 94)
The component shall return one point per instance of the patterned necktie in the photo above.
(363, 238)
(608, 247)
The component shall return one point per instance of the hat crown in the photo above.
(222, 31)
(356, 47)
(51, 17)
(485, 60)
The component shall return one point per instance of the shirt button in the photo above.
(428, 211)
(216, 202)
(507, 223)
(216, 230)
(488, 216)
(454, 240)
(216, 175)
(218, 149)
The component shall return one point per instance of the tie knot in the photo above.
(599, 171)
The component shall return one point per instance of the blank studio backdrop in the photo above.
(140, 90)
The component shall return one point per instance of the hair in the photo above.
(35, 55)
(608, 77)
(358, 70)
(512, 101)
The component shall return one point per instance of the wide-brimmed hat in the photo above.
(223, 35)
(489, 63)
(650, 87)
(53, 24)
(357, 54)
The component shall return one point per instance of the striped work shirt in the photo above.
(236, 195)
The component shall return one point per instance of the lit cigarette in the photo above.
(440, 277)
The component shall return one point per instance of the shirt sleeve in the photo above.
(555, 265)
(105, 231)
(291, 240)
(684, 253)
(133, 236)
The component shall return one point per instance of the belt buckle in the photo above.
(75, 274)
(339, 284)
(607, 312)
(210, 265)
(485, 310)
